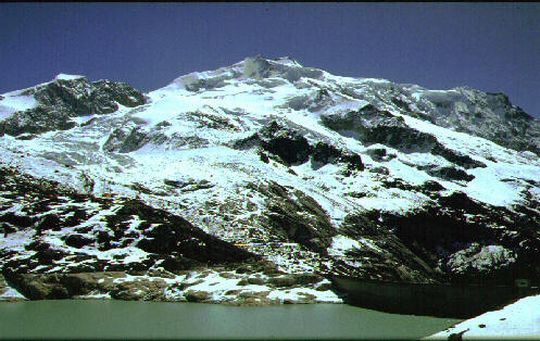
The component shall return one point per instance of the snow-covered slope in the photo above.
(519, 320)
(310, 171)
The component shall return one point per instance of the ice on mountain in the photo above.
(67, 77)
(10, 104)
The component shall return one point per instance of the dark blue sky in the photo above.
(493, 47)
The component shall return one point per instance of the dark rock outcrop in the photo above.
(488, 115)
(295, 216)
(61, 100)
(324, 153)
(371, 125)
(168, 239)
(124, 140)
(468, 241)
(78, 241)
(290, 147)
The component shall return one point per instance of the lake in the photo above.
(149, 320)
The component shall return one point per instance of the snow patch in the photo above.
(519, 320)
(67, 77)
(341, 244)
(11, 294)
(15, 103)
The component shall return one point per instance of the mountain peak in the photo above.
(66, 77)
(261, 67)
(287, 61)
(283, 60)
(257, 67)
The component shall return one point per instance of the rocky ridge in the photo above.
(266, 175)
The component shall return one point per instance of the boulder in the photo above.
(141, 289)
(78, 241)
(283, 281)
(256, 280)
(196, 296)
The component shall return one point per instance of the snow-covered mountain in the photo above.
(266, 175)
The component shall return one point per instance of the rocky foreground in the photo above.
(173, 261)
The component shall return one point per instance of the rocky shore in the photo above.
(254, 284)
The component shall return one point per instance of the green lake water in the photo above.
(78, 319)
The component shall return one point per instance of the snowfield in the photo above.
(519, 320)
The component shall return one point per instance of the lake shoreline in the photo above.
(240, 286)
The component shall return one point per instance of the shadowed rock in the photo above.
(61, 100)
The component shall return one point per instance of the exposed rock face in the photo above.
(489, 115)
(167, 253)
(124, 140)
(251, 183)
(62, 100)
(260, 67)
(297, 217)
(160, 237)
(50, 286)
(469, 241)
(291, 148)
(371, 126)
